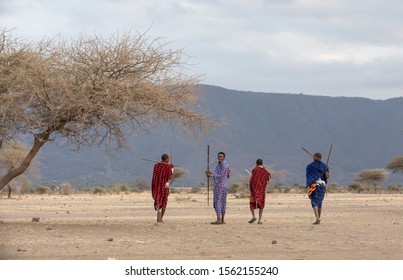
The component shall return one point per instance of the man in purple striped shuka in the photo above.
(220, 176)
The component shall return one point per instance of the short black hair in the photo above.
(164, 156)
(317, 155)
(259, 161)
(221, 153)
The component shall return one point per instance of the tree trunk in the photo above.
(39, 141)
(9, 191)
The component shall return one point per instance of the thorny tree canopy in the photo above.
(373, 176)
(396, 165)
(89, 89)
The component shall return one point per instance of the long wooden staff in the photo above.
(171, 161)
(328, 156)
(208, 177)
(146, 159)
(305, 150)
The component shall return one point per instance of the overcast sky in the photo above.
(317, 47)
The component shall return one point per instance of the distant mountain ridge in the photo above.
(365, 134)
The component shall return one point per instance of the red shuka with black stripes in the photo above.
(258, 182)
(162, 173)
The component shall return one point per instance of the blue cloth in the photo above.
(318, 195)
(314, 171)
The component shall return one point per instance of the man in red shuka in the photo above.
(163, 171)
(258, 182)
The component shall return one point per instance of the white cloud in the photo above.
(335, 47)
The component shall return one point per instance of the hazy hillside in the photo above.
(365, 134)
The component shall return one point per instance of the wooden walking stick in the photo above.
(171, 162)
(328, 156)
(146, 159)
(305, 150)
(170, 155)
(208, 177)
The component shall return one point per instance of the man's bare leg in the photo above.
(159, 215)
(218, 221)
(316, 211)
(253, 216)
(222, 219)
(162, 213)
(260, 216)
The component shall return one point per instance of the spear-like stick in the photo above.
(307, 151)
(170, 155)
(328, 155)
(171, 160)
(146, 159)
(208, 177)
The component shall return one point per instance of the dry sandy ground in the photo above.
(82, 226)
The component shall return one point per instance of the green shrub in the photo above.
(195, 190)
(234, 188)
(98, 190)
(355, 187)
(66, 188)
(42, 190)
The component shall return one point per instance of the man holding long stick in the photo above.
(220, 177)
(317, 174)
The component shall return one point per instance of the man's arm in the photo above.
(327, 175)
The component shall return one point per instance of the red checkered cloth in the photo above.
(258, 182)
(162, 173)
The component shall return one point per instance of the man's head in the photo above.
(259, 162)
(221, 156)
(165, 158)
(317, 156)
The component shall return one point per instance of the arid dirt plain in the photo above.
(123, 226)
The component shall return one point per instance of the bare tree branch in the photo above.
(89, 90)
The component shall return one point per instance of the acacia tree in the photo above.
(396, 165)
(373, 176)
(11, 155)
(89, 90)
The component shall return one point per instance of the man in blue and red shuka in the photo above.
(317, 174)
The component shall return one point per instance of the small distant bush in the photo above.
(274, 189)
(135, 190)
(98, 190)
(355, 187)
(66, 188)
(25, 186)
(42, 190)
(196, 190)
(334, 188)
(174, 190)
(234, 188)
(141, 185)
(116, 188)
(286, 190)
(394, 188)
(239, 190)
(121, 187)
